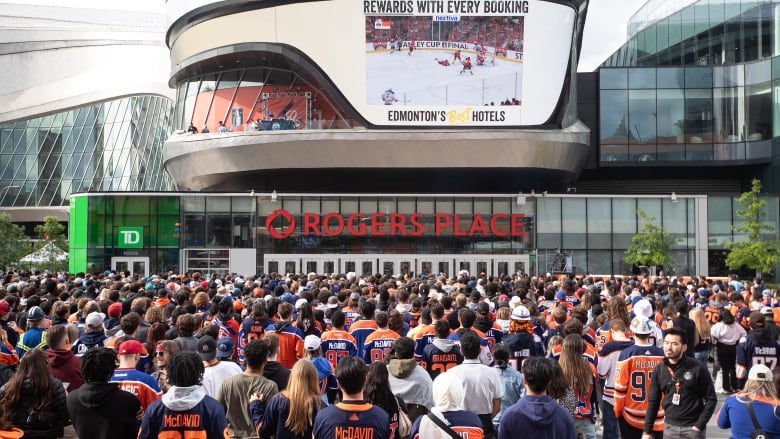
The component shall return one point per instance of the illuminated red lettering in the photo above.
(397, 225)
(326, 224)
(493, 219)
(478, 225)
(377, 224)
(442, 221)
(414, 220)
(311, 224)
(456, 226)
(517, 225)
(355, 225)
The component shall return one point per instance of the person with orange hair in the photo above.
(521, 341)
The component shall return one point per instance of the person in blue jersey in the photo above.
(253, 326)
(758, 347)
(537, 415)
(290, 414)
(448, 397)
(442, 354)
(760, 393)
(185, 409)
(142, 385)
(521, 340)
(353, 416)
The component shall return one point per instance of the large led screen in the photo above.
(436, 63)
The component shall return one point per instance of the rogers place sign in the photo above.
(395, 224)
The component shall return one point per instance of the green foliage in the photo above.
(752, 252)
(652, 246)
(13, 243)
(51, 231)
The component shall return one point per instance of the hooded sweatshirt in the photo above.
(66, 367)
(184, 409)
(537, 416)
(410, 382)
(101, 410)
(87, 341)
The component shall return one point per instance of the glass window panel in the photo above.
(716, 12)
(698, 114)
(292, 204)
(613, 153)
(675, 29)
(349, 266)
(729, 114)
(368, 206)
(775, 107)
(310, 205)
(701, 16)
(759, 112)
(624, 217)
(614, 117)
(698, 77)
(641, 78)
(330, 205)
(671, 77)
(662, 34)
(243, 204)
(599, 220)
(425, 206)
(641, 116)
(599, 262)
(699, 152)
(548, 215)
(675, 218)
(688, 22)
(757, 73)
(574, 224)
(387, 206)
(218, 205)
(482, 205)
(407, 206)
(349, 206)
(464, 207)
(671, 115)
(444, 205)
(728, 76)
(613, 79)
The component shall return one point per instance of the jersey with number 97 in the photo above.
(632, 381)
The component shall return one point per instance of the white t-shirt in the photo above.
(216, 374)
(482, 385)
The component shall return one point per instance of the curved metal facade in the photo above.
(227, 59)
(85, 107)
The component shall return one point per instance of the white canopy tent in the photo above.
(47, 253)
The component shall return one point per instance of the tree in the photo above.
(13, 243)
(751, 251)
(52, 232)
(652, 246)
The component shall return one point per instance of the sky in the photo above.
(605, 30)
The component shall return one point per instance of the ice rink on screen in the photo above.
(419, 80)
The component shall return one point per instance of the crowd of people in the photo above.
(385, 357)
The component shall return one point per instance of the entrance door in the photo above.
(359, 264)
(135, 265)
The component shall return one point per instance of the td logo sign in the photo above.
(130, 237)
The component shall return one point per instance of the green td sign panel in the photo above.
(130, 237)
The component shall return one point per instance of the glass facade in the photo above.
(682, 114)
(261, 98)
(584, 234)
(109, 146)
(706, 32)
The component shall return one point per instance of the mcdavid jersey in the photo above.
(632, 381)
(378, 345)
(360, 330)
(336, 344)
(757, 347)
(352, 419)
(205, 420)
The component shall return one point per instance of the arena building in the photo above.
(435, 125)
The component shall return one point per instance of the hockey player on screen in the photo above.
(443, 62)
(456, 56)
(388, 97)
(480, 59)
(411, 47)
(393, 45)
(467, 65)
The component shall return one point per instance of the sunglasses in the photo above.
(159, 354)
